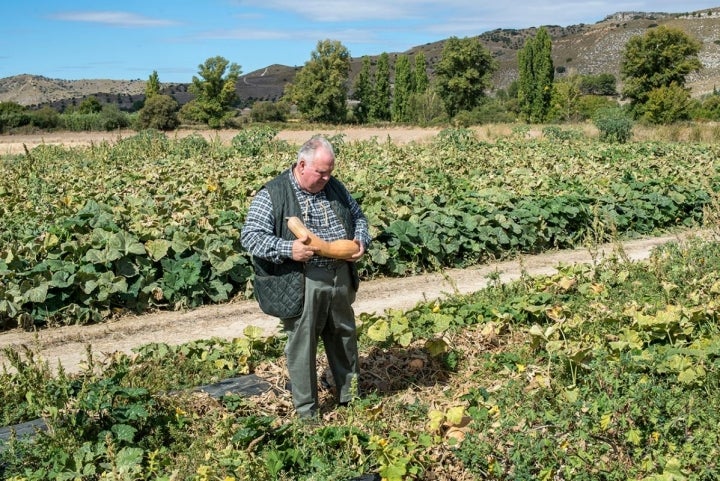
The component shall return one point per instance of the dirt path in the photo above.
(67, 345)
(16, 144)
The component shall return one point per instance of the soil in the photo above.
(67, 345)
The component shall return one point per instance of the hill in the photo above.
(584, 48)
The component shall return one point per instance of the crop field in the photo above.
(601, 371)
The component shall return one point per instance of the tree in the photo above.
(152, 86)
(362, 91)
(380, 108)
(214, 91)
(90, 105)
(463, 73)
(536, 74)
(159, 112)
(661, 57)
(565, 99)
(320, 88)
(404, 86)
(421, 81)
(426, 108)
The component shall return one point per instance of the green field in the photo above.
(152, 222)
(605, 371)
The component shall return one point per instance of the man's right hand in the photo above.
(301, 251)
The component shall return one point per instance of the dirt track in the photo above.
(16, 144)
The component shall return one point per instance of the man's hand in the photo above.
(359, 253)
(301, 251)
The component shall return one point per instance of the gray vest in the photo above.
(280, 288)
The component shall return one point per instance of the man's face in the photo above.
(314, 175)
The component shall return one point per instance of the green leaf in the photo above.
(436, 347)
(126, 244)
(405, 339)
(129, 460)
(38, 294)
(135, 412)
(253, 332)
(441, 322)
(379, 331)
(224, 264)
(124, 432)
(455, 415)
(157, 248)
(180, 242)
(102, 256)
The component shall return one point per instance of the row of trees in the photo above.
(653, 70)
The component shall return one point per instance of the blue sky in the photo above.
(96, 39)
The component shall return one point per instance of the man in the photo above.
(312, 295)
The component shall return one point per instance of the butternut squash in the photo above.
(338, 249)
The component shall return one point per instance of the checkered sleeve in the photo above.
(362, 230)
(257, 235)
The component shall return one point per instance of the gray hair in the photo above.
(308, 149)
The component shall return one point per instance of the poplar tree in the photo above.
(536, 75)
(404, 86)
(363, 91)
(152, 86)
(421, 80)
(380, 108)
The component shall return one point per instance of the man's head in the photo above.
(316, 161)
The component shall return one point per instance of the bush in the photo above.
(270, 111)
(159, 112)
(613, 124)
(666, 105)
(601, 84)
(709, 109)
(426, 108)
(110, 118)
(250, 142)
(12, 115)
(556, 133)
(588, 105)
(45, 118)
(90, 105)
(490, 111)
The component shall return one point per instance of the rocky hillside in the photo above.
(585, 48)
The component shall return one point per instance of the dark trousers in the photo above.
(327, 315)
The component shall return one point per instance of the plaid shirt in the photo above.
(258, 232)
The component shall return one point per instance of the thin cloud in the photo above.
(343, 35)
(520, 14)
(248, 34)
(340, 10)
(117, 19)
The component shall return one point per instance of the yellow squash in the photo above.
(338, 249)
